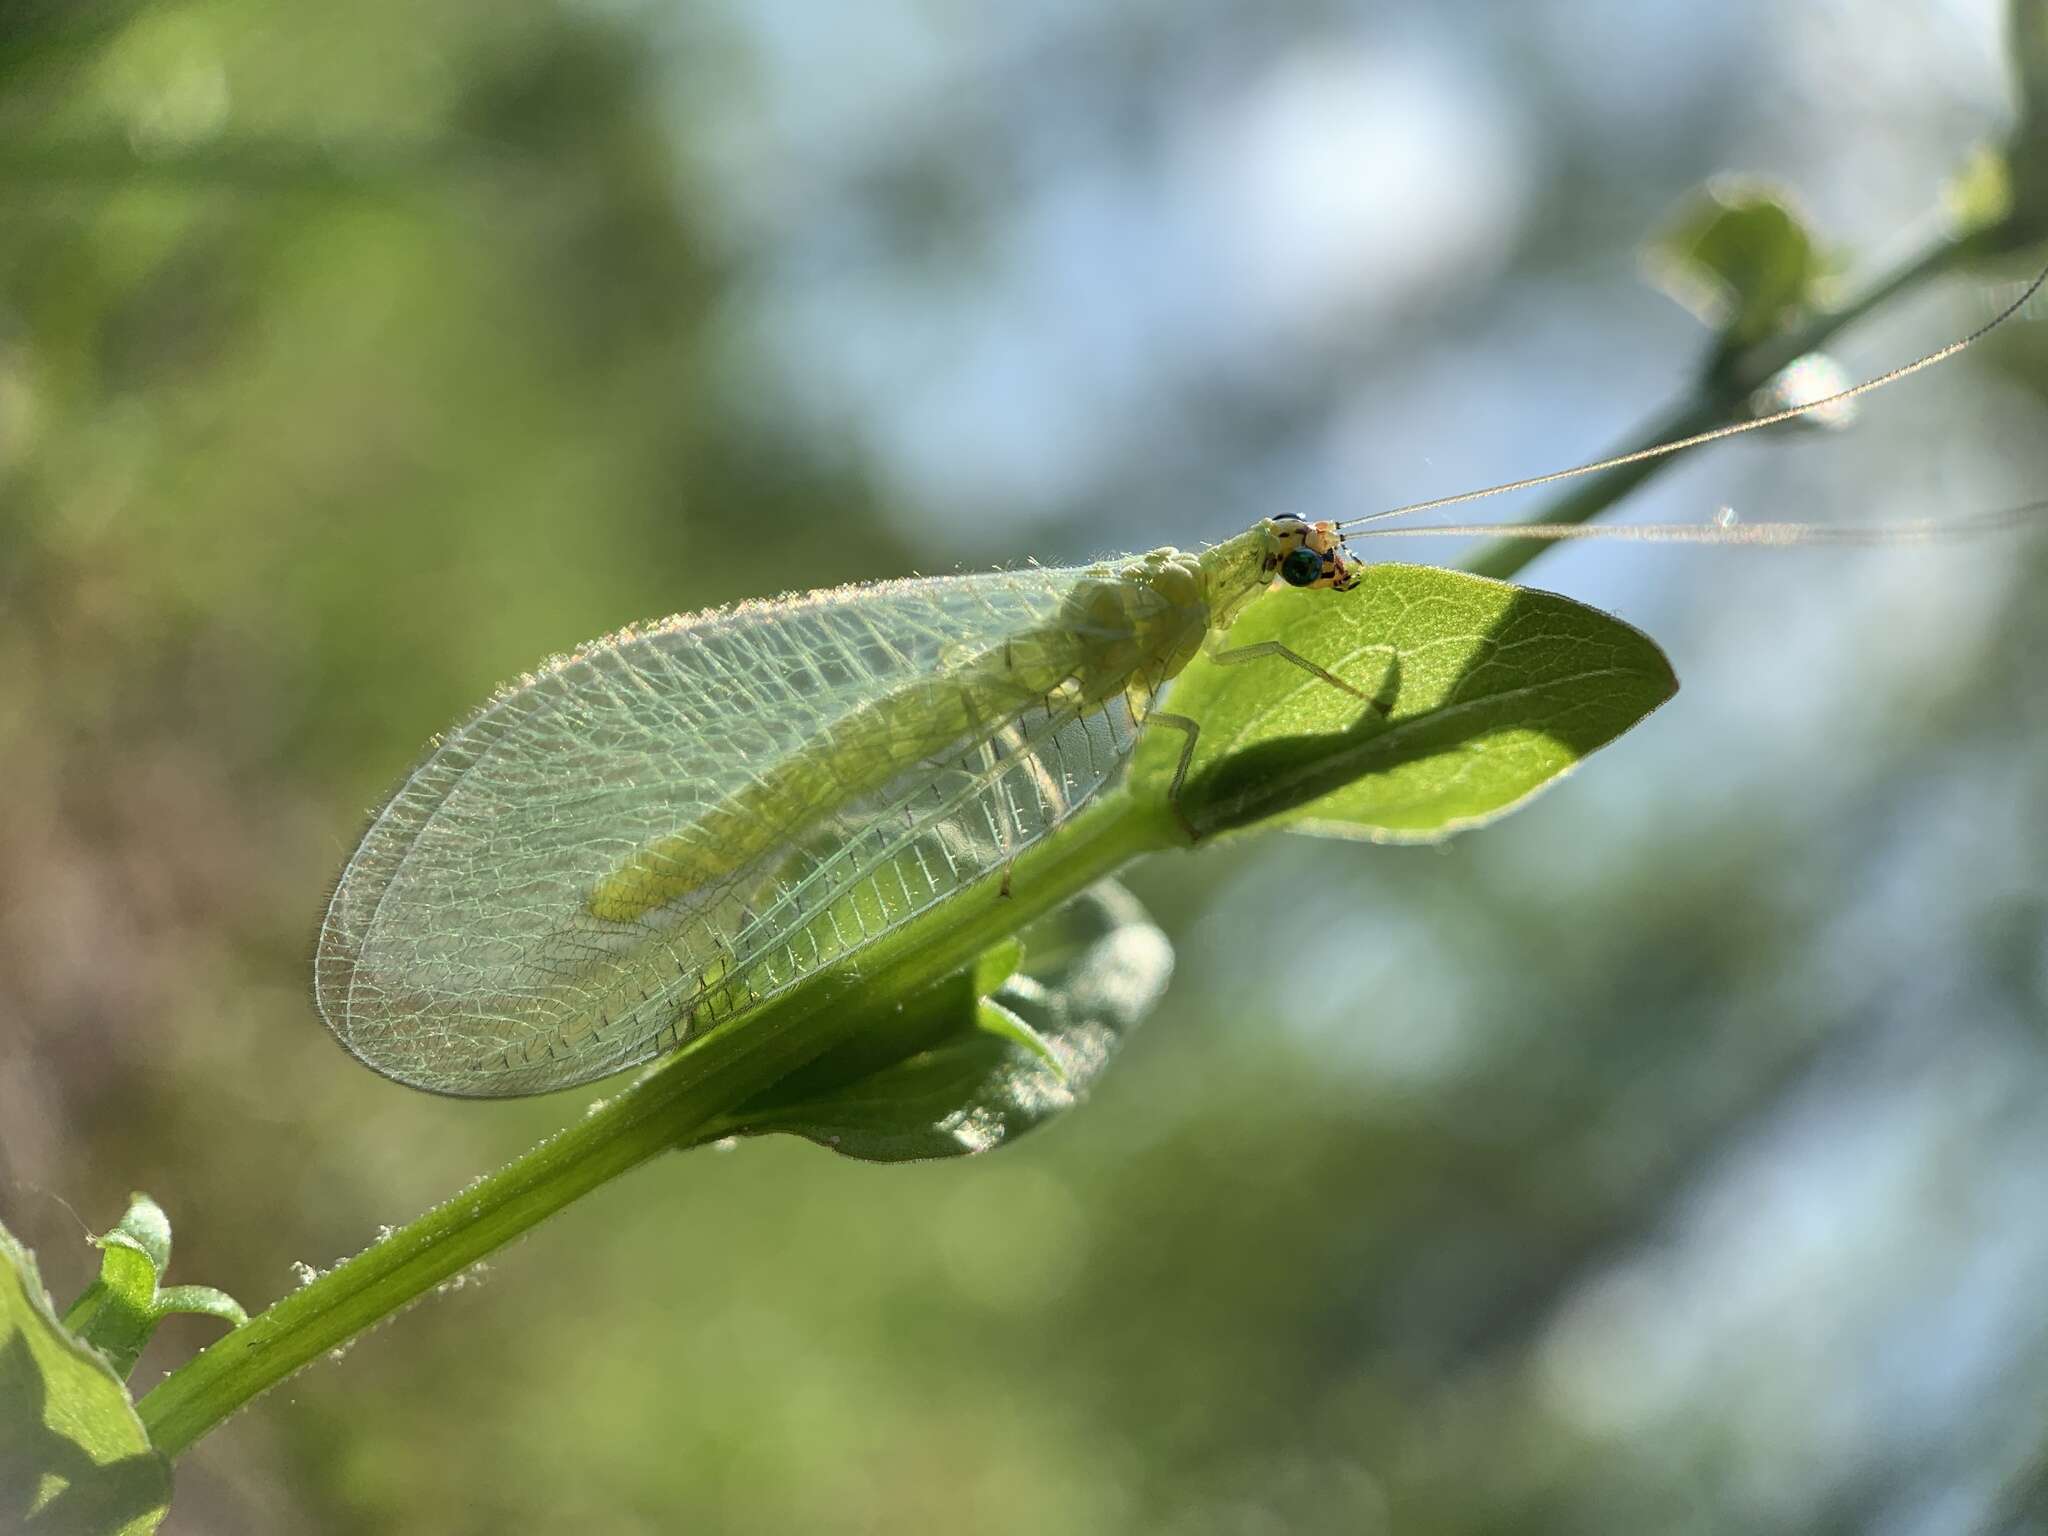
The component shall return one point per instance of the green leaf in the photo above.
(116, 1315)
(120, 1310)
(1484, 692)
(146, 1228)
(74, 1460)
(986, 1055)
(1742, 259)
(117, 1312)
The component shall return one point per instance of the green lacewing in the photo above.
(685, 819)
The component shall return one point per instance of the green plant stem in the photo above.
(681, 1099)
(709, 1077)
(1720, 396)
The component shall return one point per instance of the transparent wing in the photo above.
(461, 952)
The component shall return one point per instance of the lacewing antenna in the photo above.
(1697, 439)
(1918, 531)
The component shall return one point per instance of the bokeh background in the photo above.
(1670, 1158)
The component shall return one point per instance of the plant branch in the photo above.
(675, 1102)
(1721, 395)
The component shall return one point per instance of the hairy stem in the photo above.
(670, 1106)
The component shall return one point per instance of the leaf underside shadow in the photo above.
(1484, 693)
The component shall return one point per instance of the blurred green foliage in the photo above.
(1741, 259)
(1647, 1164)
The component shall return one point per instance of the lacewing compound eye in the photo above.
(1301, 568)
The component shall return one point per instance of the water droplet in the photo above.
(1815, 376)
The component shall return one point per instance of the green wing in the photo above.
(471, 946)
